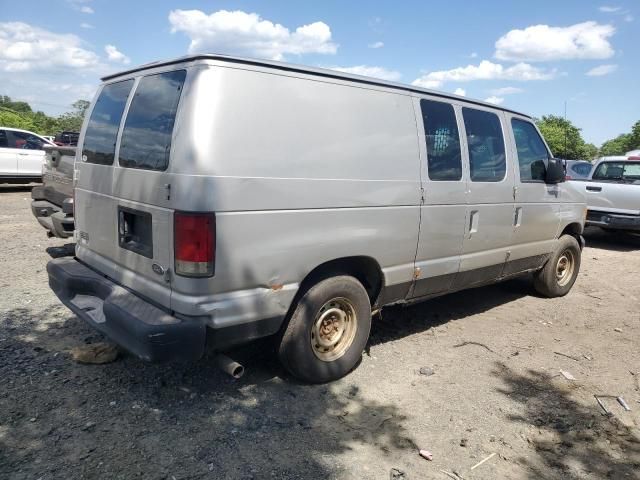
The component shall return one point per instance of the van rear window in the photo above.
(146, 137)
(100, 138)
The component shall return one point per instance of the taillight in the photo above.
(194, 244)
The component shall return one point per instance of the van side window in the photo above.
(146, 137)
(444, 161)
(487, 161)
(4, 142)
(532, 152)
(100, 138)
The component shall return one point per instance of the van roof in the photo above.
(321, 72)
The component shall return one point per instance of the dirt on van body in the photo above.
(463, 376)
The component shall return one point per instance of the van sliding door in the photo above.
(443, 209)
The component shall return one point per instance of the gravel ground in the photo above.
(491, 382)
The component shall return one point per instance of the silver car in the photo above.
(220, 199)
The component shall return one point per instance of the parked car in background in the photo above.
(67, 139)
(633, 155)
(310, 199)
(577, 169)
(52, 203)
(613, 194)
(21, 155)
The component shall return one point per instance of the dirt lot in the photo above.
(496, 354)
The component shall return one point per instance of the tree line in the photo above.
(564, 138)
(18, 114)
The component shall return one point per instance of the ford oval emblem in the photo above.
(158, 269)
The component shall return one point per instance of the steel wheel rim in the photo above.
(565, 267)
(333, 329)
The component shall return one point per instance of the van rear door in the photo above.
(125, 225)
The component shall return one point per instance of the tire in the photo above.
(309, 349)
(559, 274)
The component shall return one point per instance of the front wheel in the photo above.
(559, 274)
(327, 331)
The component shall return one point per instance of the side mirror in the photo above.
(555, 171)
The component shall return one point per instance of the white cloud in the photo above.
(486, 70)
(473, 55)
(367, 71)
(248, 34)
(86, 25)
(460, 91)
(495, 100)
(608, 9)
(602, 70)
(544, 43)
(81, 5)
(628, 18)
(499, 92)
(376, 45)
(115, 55)
(24, 47)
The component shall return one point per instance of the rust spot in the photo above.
(276, 286)
(417, 272)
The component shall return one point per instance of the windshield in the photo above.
(618, 171)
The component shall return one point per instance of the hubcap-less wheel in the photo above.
(564, 268)
(334, 329)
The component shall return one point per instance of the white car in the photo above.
(21, 155)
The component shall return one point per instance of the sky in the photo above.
(529, 56)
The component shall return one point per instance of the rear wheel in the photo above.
(327, 331)
(559, 274)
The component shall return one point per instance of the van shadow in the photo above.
(569, 440)
(397, 322)
(616, 241)
(131, 419)
(12, 188)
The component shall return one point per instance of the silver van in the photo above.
(220, 199)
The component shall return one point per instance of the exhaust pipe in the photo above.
(230, 366)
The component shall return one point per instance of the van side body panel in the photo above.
(301, 169)
(341, 179)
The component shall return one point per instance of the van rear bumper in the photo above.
(139, 327)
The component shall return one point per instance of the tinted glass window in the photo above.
(532, 152)
(443, 141)
(487, 160)
(4, 143)
(582, 168)
(618, 171)
(146, 138)
(100, 139)
(23, 140)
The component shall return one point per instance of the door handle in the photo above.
(594, 189)
(23, 154)
(518, 217)
(473, 222)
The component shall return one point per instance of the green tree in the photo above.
(590, 151)
(622, 143)
(634, 137)
(616, 146)
(564, 138)
(72, 121)
(22, 107)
